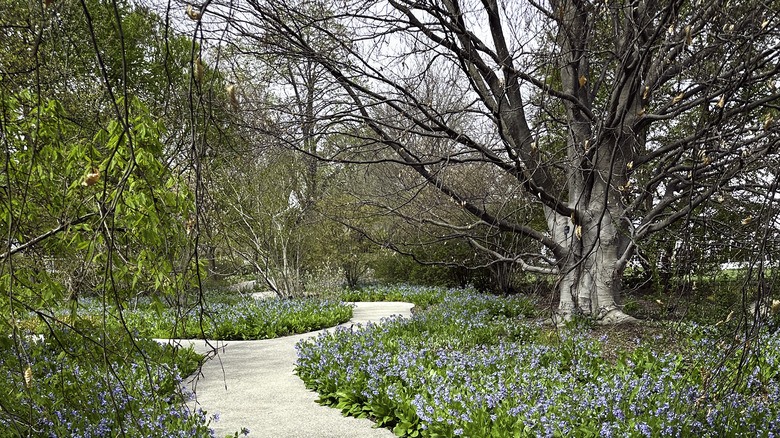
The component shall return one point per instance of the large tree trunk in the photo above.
(592, 272)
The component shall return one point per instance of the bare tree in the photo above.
(617, 119)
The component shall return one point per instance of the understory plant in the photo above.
(241, 318)
(474, 366)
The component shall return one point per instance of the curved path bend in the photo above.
(252, 384)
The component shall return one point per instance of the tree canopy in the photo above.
(583, 129)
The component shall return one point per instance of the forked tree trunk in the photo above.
(592, 272)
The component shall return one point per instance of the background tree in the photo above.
(615, 119)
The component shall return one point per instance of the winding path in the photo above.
(252, 384)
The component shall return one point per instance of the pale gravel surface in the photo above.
(252, 384)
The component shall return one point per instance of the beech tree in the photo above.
(612, 120)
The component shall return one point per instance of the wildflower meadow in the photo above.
(476, 365)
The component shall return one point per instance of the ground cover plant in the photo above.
(103, 374)
(79, 380)
(421, 296)
(233, 316)
(473, 365)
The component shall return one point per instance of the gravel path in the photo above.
(251, 384)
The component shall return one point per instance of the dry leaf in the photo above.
(199, 70)
(190, 225)
(728, 318)
(660, 303)
(572, 218)
(231, 92)
(578, 232)
(747, 220)
(671, 29)
(647, 90)
(722, 101)
(28, 377)
(91, 178)
(678, 98)
(192, 13)
(641, 113)
(630, 165)
(763, 25)
(583, 80)
(768, 121)
(688, 37)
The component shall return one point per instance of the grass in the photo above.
(478, 366)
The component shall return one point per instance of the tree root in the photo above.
(615, 316)
(608, 316)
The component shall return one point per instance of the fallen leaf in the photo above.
(583, 80)
(678, 98)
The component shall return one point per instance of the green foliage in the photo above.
(395, 268)
(113, 201)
